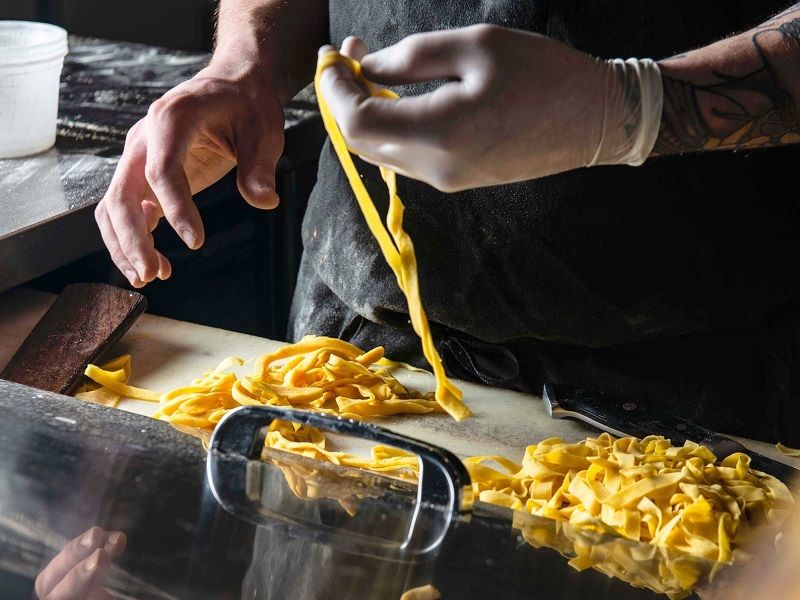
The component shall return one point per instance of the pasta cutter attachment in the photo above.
(353, 509)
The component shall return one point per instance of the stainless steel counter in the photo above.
(47, 200)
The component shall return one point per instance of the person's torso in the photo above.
(593, 257)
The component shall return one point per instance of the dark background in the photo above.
(186, 24)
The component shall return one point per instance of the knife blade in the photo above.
(624, 417)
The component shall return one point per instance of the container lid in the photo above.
(23, 42)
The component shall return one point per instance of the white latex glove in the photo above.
(515, 106)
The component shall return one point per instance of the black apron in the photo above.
(674, 282)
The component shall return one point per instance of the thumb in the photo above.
(257, 154)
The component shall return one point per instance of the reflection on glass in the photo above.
(335, 480)
(350, 499)
(341, 495)
(661, 569)
(82, 568)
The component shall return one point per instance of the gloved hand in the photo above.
(515, 106)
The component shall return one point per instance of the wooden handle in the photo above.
(84, 321)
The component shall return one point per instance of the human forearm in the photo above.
(278, 38)
(742, 92)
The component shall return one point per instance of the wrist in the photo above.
(255, 74)
(244, 49)
(633, 100)
(271, 42)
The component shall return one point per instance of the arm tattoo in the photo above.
(753, 110)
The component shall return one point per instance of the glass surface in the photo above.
(324, 495)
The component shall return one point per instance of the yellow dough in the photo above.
(394, 242)
(321, 374)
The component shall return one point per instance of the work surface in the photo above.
(168, 353)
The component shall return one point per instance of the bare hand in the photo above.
(190, 138)
(79, 570)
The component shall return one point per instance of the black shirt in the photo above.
(675, 281)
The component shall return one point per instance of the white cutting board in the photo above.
(168, 353)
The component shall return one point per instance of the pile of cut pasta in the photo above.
(320, 374)
(644, 490)
(691, 509)
(680, 500)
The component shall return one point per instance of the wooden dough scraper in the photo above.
(83, 322)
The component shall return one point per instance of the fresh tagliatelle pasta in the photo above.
(644, 490)
(394, 242)
(113, 374)
(684, 504)
(321, 374)
(786, 451)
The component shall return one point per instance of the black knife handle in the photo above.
(631, 417)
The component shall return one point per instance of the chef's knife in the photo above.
(84, 321)
(623, 417)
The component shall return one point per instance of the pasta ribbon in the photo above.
(321, 374)
(786, 451)
(689, 508)
(680, 500)
(423, 592)
(118, 370)
(394, 242)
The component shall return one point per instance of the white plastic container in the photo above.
(31, 58)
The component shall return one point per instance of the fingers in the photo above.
(107, 231)
(412, 135)
(152, 213)
(257, 156)
(354, 48)
(342, 93)
(363, 118)
(128, 213)
(436, 173)
(164, 267)
(84, 580)
(120, 218)
(80, 565)
(421, 57)
(112, 244)
(169, 136)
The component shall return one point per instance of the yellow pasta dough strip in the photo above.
(394, 242)
(322, 374)
(425, 592)
(119, 369)
(109, 381)
(793, 452)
